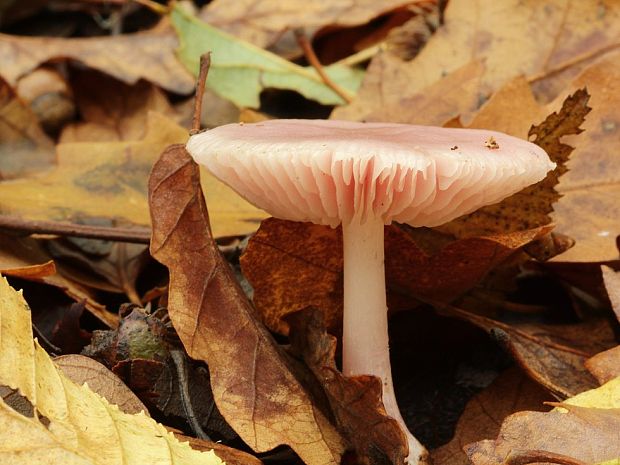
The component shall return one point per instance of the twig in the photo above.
(134, 235)
(306, 46)
(205, 64)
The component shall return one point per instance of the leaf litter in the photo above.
(477, 271)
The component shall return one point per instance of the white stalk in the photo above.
(365, 331)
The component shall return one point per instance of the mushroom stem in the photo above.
(365, 331)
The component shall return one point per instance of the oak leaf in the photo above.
(80, 426)
(253, 385)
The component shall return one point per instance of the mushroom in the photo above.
(364, 176)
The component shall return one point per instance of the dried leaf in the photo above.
(535, 39)
(586, 430)
(81, 427)
(269, 20)
(112, 110)
(110, 183)
(81, 369)
(355, 401)
(145, 55)
(240, 70)
(605, 366)
(309, 267)
(24, 147)
(611, 279)
(552, 354)
(511, 392)
(251, 379)
(589, 211)
(530, 207)
(447, 98)
(24, 256)
(113, 266)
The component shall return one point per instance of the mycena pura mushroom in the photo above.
(364, 176)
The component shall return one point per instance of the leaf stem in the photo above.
(306, 47)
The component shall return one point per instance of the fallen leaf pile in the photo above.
(155, 293)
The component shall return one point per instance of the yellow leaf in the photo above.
(606, 396)
(83, 427)
(108, 180)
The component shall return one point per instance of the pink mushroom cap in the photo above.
(328, 172)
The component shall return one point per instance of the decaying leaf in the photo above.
(26, 258)
(81, 369)
(270, 20)
(588, 210)
(251, 379)
(240, 70)
(552, 354)
(355, 401)
(530, 207)
(308, 268)
(611, 279)
(449, 97)
(145, 55)
(24, 147)
(605, 366)
(586, 429)
(511, 392)
(112, 110)
(81, 427)
(110, 183)
(513, 38)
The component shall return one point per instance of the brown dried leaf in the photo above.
(251, 379)
(447, 98)
(112, 110)
(229, 455)
(24, 147)
(547, 42)
(530, 207)
(589, 211)
(511, 392)
(552, 354)
(355, 401)
(81, 369)
(586, 435)
(611, 279)
(148, 55)
(605, 366)
(309, 267)
(269, 20)
(25, 253)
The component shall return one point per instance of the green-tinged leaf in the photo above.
(240, 71)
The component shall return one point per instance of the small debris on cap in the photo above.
(491, 143)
